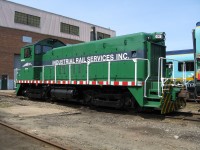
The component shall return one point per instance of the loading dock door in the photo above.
(4, 82)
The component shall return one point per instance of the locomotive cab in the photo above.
(31, 58)
(32, 53)
(46, 45)
(27, 60)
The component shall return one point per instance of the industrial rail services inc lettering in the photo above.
(95, 58)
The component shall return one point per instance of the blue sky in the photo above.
(176, 18)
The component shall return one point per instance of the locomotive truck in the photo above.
(122, 72)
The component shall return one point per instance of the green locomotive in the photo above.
(125, 71)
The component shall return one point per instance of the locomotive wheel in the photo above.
(182, 102)
(130, 103)
(87, 97)
(25, 93)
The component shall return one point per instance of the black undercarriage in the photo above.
(109, 96)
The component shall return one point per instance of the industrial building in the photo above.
(21, 25)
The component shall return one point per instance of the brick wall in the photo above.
(11, 43)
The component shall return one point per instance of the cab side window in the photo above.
(27, 52)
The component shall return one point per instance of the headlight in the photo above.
(158, 36)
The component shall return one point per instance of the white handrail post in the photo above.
(149, 72)
(43, 74)
(184, 72)
(159, 61)
(161, 74)
(162, 80)
(108, 72)
(55, 72)
(173, 72)
(148, 75)
(135, 61)
(69, 73)
(88, 72)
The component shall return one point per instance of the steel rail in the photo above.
(33, 136)
(184, 116)
(189, 116)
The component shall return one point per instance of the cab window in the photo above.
(46, 48)
(38, 49)
(27, 52)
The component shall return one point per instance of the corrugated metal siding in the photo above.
(49, 22)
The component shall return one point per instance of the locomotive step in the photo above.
(156, 97)
(153, 92)
(152, 104)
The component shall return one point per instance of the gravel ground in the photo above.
(80, 127)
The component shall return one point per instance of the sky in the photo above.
(177, 18)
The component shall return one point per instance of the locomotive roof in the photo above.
(124, 37)
(49, 41)
(177, 52)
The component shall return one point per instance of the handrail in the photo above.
(160, 73)
(55, 73)
(135, 60)
(42, 73)
(109, 72)
(88, 72)
(69, 73)
(16, 70)
(148, 75)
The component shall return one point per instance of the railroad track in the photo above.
(184, 116)
(51, 144)
(188, 116)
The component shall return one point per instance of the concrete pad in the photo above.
(7, 93)
(27, 111)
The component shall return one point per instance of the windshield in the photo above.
(39, 49)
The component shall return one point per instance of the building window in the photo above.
(26, 39)
(69, 29)
(27, 19)
(102, 36)
(189, 66)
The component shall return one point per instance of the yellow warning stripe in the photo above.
(167, 105)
